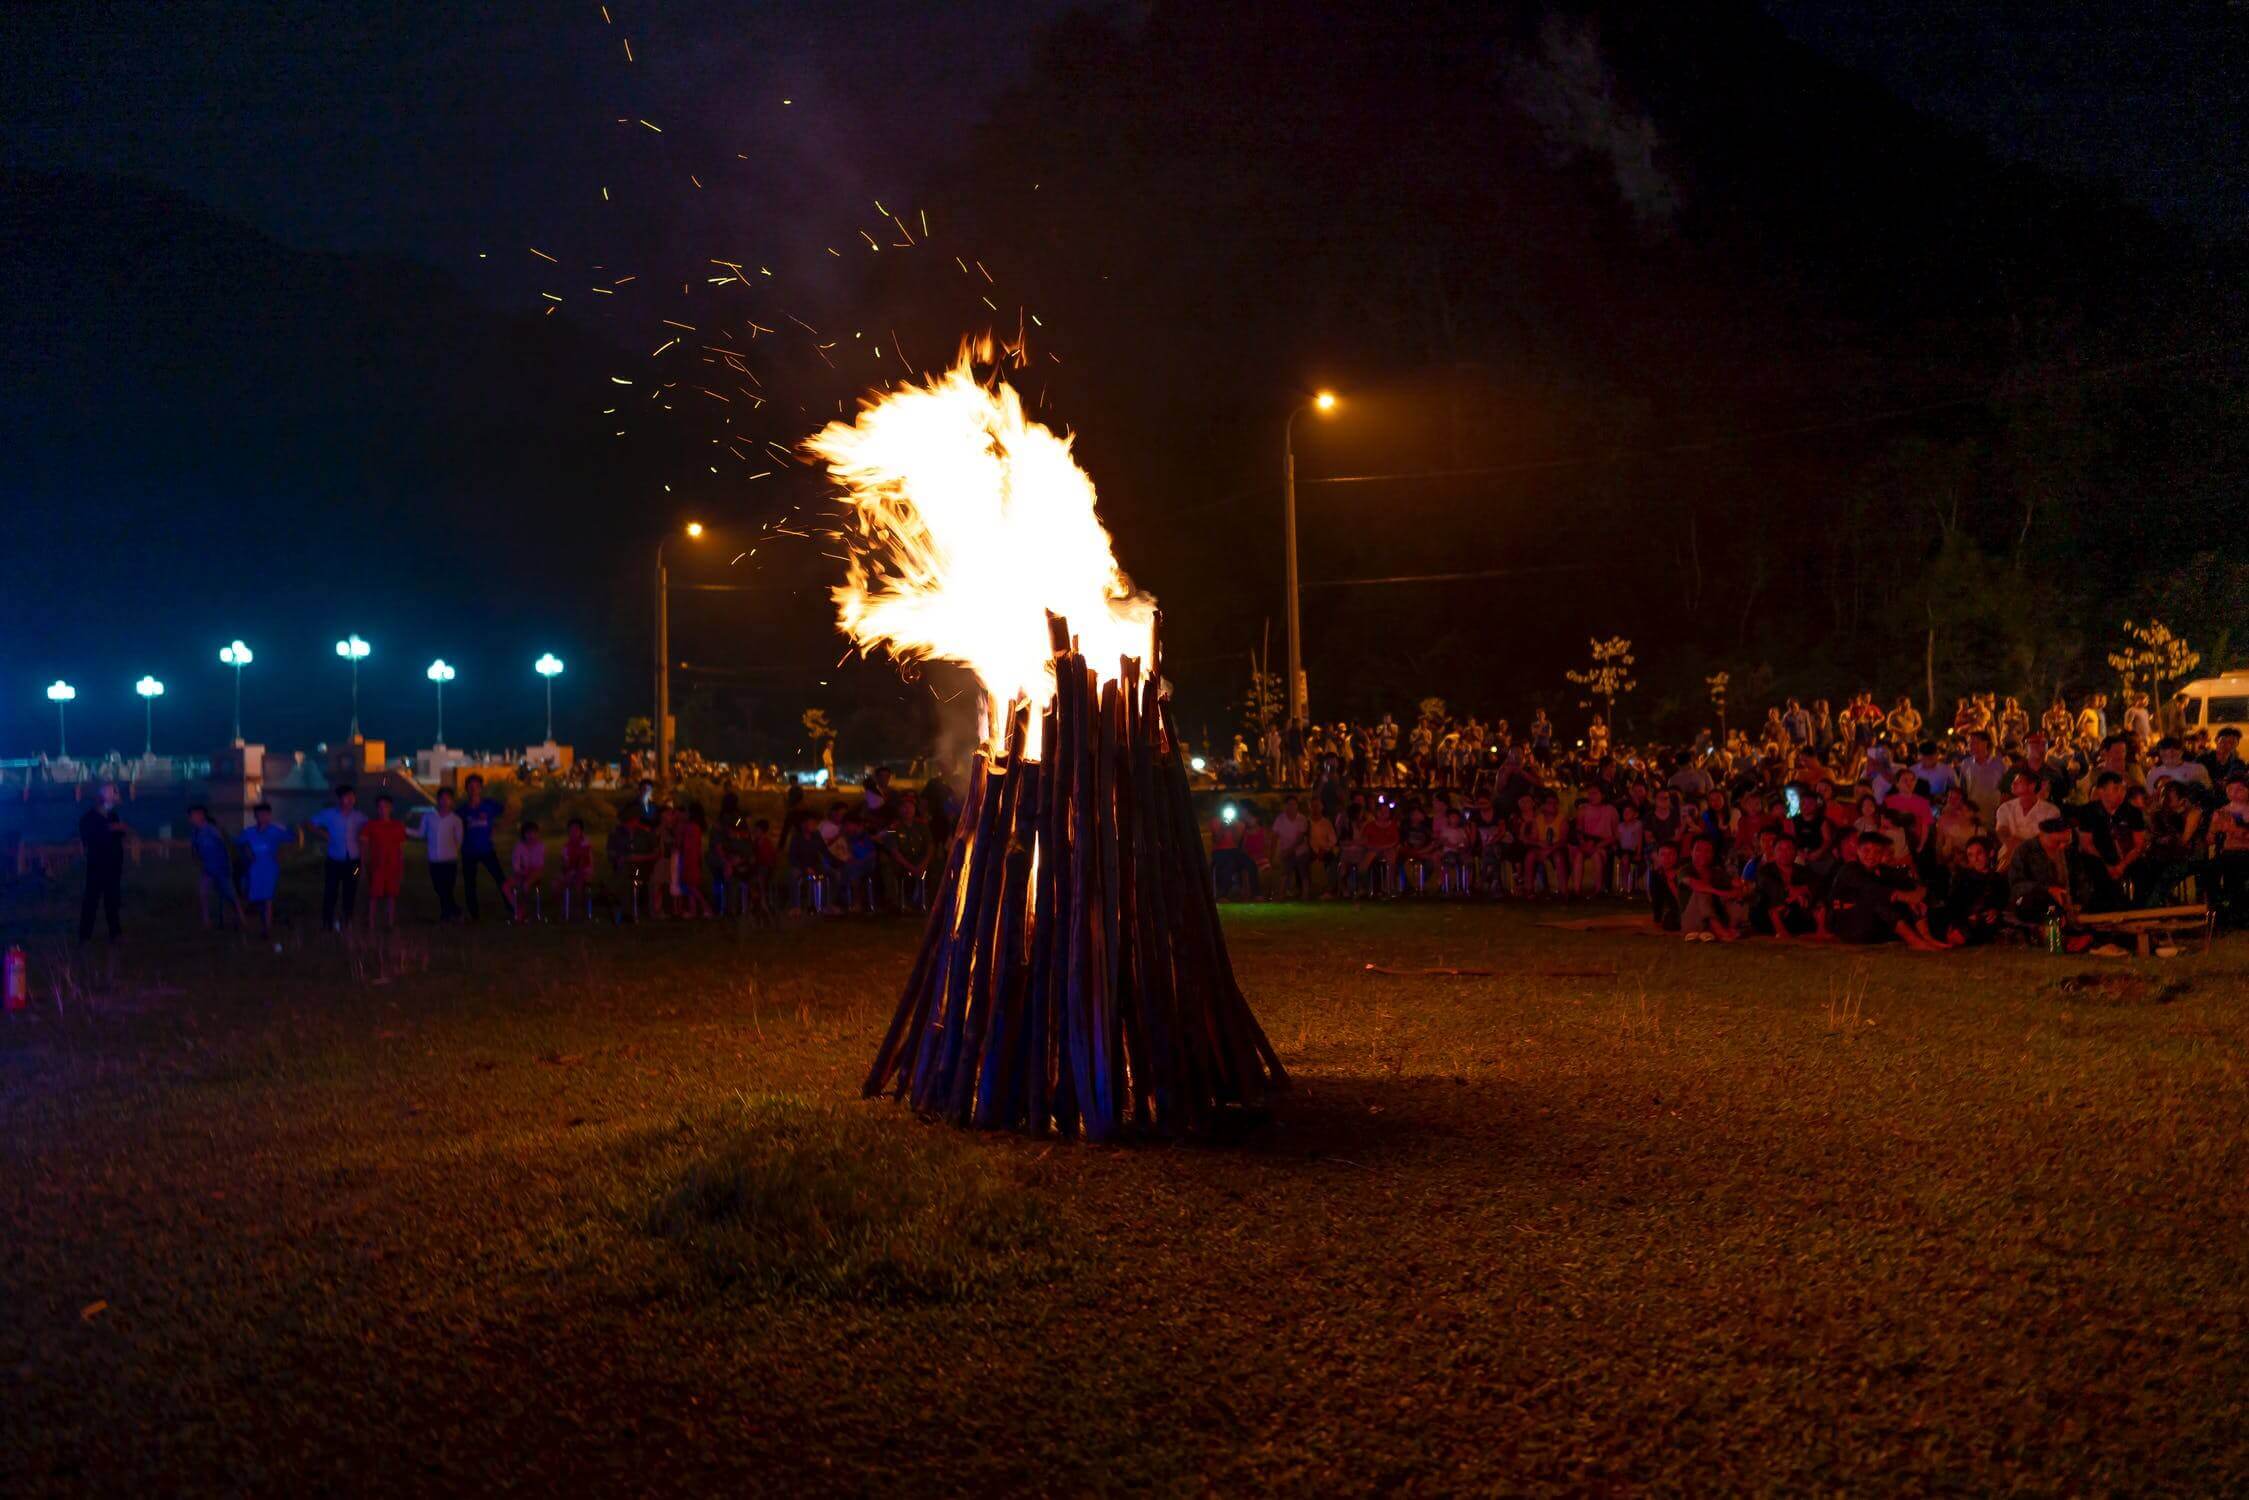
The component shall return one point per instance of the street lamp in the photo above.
(354, 650)
(237, 656)
(59, 693)
(440, 674)
(549, 666)
(662, 729)
(150, 690)
(1325, 403)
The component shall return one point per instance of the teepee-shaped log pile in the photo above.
(1074, 976)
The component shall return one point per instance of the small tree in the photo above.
(1717, 682)
(1609, 678)
(2152, 654)
(823, 736)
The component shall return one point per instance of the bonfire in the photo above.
(1074, 977)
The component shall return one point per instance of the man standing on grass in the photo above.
(340, 874)
(441, 830)
(102, 831)
(480, 822)
(1983, 774)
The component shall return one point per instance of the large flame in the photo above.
(971, 523)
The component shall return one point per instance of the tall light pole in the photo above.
(549, 666)
(1323, 403)
(237, 656)
(59, 693)
(150, 690)
(661, 731)
(440, 674)
(354, 650)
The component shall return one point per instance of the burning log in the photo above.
(1074, 976)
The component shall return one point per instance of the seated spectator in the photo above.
(1593, 835)
(2019, 816)
(1870, 901)
(1664, 897)
(2113, 835)
(2177, 830)
(1230, 869)
(2041, 875)
(1292, 849)
(1786, 903)
(2172, 765)
(2229, 851)
(1976, 895)
(1715, 903)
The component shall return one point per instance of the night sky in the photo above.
(451, 137)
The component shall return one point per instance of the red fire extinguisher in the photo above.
(18, 982)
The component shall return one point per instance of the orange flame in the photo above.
(971, 523)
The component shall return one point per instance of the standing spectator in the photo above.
(214, 868)
(382, 844)
(1983, 774)
(102, 831)
(339, 876)
(441, 829)
(480, 825)
(264, 839)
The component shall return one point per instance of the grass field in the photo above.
(600, 1211)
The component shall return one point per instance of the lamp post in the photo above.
(661, 731)
(1323, 403)
(354, 650)
(59, 693)
(237, 656)
(549, 666)
(440, 674)
(150, 690)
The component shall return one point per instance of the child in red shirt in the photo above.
(382, 847)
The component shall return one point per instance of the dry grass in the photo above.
(600, 1210)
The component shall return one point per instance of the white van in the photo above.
(2212, 703)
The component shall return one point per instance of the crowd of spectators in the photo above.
(1856, 825)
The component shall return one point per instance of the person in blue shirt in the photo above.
(214, 867)
(340, 873)
(480, 821)
(264, 839)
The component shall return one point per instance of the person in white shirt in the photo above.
(2173, 765)
(440, 828)
(2019, 816)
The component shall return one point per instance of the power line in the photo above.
(1346, 583)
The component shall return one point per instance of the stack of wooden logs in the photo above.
(1074, 977)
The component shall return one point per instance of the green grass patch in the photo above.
(781, 1197)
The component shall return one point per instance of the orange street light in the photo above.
(662, 729)
(1324, 403)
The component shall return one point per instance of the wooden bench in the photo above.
(2150, 925)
